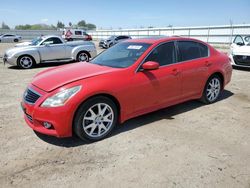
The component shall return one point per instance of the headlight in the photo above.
(60, 98)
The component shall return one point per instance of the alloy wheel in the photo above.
(26, 62)
(98, 120)
(83, 57)
(213, 89)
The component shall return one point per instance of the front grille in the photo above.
(31, 96)
(242, 60)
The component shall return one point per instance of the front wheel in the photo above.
(95, 119)
(15, 40)
(212, 90)
(25, 62)
(82, 56)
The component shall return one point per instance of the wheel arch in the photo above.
(114, 99)
(31, 53)
(22, 55)
(220, 75)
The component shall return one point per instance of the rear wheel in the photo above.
(15, 40)
(82, 56)
(95, 119)
(25, 62)
(212, 90)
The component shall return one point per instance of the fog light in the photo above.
(47, 125)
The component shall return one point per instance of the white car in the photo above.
(75, 34)
(240, 51)
(10, 38)
(49, 49)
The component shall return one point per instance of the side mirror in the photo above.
(150, 65)
(46, 44)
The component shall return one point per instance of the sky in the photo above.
(127, 13)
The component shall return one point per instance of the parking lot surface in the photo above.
(187, 145)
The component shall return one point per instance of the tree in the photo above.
(4, 26)
(35, 27)
(70, 24)
(60, 25)
(81, 23)
(91, 26)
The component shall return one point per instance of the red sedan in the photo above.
(130, 79)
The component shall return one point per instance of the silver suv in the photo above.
(112, 40)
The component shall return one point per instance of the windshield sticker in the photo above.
(134, 47)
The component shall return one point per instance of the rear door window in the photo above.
(189, 50)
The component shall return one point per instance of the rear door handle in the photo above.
(208, 64)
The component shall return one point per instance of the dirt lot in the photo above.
(188, 145)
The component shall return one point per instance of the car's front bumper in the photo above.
(240, 62)
(59, 117)
(9, 60)
(103, 44)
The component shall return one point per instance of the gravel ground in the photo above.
(187, 145)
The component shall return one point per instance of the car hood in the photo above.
(241, 50)
(27, 43)
(54, 78)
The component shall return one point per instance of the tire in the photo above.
(92, 125)
(15, 40)
(212, 90)
(26, 62)
(82, 57)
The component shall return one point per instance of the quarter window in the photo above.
(163, 54)
(238, 40)
(189, 50)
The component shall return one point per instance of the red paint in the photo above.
(138, 92)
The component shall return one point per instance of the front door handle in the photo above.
(175, 71)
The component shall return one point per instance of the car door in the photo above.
(157, 88)
(52, 49)
(194, 64)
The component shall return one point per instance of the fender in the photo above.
(31, 52)
(87, 47)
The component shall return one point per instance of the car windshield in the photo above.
(121, 55)
(111, 37)
(36, 41)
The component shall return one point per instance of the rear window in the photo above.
(189, 50)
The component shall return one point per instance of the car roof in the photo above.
(48, 36)
(159, 39)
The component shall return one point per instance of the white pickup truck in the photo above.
(49, 49)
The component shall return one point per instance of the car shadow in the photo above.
(166, 113)
(241, 68)
(42, 65)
